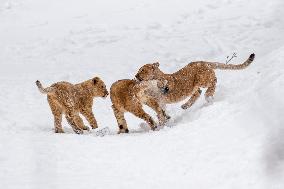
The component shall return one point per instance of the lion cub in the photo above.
(66, 98)
(188, 80)
(129, 95)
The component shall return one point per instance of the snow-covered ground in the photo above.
(237, 142)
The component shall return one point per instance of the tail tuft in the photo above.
(38, 84)
(41, 89)
(251, 57)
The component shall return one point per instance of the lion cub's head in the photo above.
(148, 72)
(98, 87)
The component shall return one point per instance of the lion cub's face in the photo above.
(99, 87)
(148, 72)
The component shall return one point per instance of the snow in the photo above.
(236, 142)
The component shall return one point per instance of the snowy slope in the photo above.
(237, 142)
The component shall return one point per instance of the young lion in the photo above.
(129, 95)
(66, 98)
(188, 80)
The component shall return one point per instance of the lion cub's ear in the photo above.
(95, 80)
(156, 64)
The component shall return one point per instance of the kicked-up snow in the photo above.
(235, 142)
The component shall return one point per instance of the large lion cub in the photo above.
(66, 98)
(188, 80)
(129, 96)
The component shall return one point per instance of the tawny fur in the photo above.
(188, 80)
(129, 96)
(66, 98)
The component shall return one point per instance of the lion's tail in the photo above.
(222, 66)
(43, 90)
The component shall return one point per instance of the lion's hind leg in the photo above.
(57, 123)
(57, 113)
(119, 115)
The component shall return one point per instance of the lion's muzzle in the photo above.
(138, 77)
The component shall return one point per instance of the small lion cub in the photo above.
(129, 96)
(66, 98)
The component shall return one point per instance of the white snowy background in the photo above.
(237, 142)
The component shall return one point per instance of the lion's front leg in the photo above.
(74, 121)
(161, 113)
(90, 117)
(196, 94)
(211, 90)
(140, 113)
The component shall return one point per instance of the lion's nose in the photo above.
(165, 90)
(106, 94)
